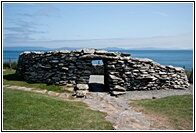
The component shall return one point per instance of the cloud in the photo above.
(21, 33)
(44, 10)
(160, 13)
(16, 38)
(182, 41)
(47, 10)
(19, 28)
(26, 15)
(22, 29)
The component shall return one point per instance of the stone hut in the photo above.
(121, 72)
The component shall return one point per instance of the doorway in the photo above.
(97, 78)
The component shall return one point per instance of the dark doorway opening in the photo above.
(98, 81)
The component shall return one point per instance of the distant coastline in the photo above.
(178, 58)
(31, 48)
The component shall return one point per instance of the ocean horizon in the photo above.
(176, 58)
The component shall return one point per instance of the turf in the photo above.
(33, 111)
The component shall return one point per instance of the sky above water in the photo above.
(102, 24)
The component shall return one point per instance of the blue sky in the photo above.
(126, 25)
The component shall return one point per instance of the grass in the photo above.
(9, 78)
(9, 65)
(27, 110)
(34, 111)
(177, 109)
(189, 74)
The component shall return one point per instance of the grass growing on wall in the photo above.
(33, 111)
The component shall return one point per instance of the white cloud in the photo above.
(160, 13)
(183, 41)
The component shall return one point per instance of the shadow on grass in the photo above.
(13, 77)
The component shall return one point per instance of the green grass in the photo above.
(178, 110)
(189, 74)
(7, 65)
(9, 78)
(34, 111)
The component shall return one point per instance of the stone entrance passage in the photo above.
(96, 83)
(121, 72)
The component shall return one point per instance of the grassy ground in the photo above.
(177, 110)
(33, 111)
(9, 78)
(27, 110)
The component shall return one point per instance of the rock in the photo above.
(179, 69)
(54, 61)
(82, 87)
(111, 67)
(119, 88)
(125, 54)
(128, 73)
(114, 77)
(162, 73)
(88, 51)
(64, 95)
(70, 89)
(112, 53)
(120, 70)
(135, 71)
(65, 68)
(69, 85)
(115, 93)
(169, 67)
(100, 52)
(52, 93)
(40, 91)
(81, 93)
(64, 51)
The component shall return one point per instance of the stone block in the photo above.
(115, 93)
(82, 87)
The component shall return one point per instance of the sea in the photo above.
(176, 58)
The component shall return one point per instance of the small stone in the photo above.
(179, 69)
(114, 77)
(40, 91)
(82, 87)
(100, 52)
(52, 93)
(70, 89)
(64, 68)
(88, 51)
(64, 95)
(64, 51)
(119, 88)
(81, 93)
(69, 85)
(115, 93)
(54, 61)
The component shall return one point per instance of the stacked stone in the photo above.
(115, 70)
(144, 74)
(121, 72)
(81, 90)
(55, 67)
(97, 69)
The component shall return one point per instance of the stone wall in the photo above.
(97, 69)
(121, 72)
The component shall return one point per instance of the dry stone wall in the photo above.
(121, 72)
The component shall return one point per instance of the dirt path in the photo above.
(120, 112)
